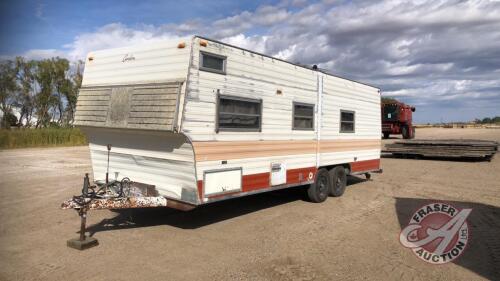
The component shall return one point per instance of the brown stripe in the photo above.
(367, 165)
(255, 181)
(299, 175)
(224, 150)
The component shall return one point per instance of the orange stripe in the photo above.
(224, 150)
(348, 145)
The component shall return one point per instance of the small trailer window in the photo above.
(212, 63)
(303, 116)
(346, 121)
(238, 114)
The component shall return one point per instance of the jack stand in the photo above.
(83, 242)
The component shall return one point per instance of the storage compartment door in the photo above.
(222, 181)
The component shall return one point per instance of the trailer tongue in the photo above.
(123, 194)
(115, 203)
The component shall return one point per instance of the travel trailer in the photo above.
(188, 122)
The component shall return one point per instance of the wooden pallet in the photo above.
(458, 148)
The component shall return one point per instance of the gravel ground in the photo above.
(276, 235)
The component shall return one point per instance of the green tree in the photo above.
(388, 100)
(25, 100)
(62, 85)
(73, 86)
(486, 120)
(45, 101)
(8, 89)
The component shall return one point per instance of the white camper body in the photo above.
(203, 121)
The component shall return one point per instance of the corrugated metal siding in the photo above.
(150, 107)
(163, 159)
(254, 76)
(152, 63)
(340, 94)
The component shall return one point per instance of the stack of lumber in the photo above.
(458, 148)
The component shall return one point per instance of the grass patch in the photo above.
(19, 138)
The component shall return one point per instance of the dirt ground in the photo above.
(271, 236)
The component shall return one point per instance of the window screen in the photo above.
(213, 63)
(239, 114)
(346, 121)
(303, 116)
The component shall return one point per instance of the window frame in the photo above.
(353, 121)
(208, 69)
(293, 116)
(217, 113)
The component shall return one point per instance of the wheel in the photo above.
(386, 135)
(405, 132)
(338, 179)
(368, 176)
(318, 191)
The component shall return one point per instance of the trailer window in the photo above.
(212, 63)
(347, 121)
(239, 114)
(303, 116)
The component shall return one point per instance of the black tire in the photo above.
(318, 191)
(386, 135)
(338, 180)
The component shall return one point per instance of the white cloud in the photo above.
(39, 10)
(254, 43)
(421, 50)
(113, 35)
(37, 54)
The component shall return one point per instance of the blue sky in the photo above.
(441, 56)
(50, 24)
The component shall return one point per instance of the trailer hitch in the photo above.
(83, 242)
(122, 194)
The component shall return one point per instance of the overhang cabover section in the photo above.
(130, 108)
(132, 136)
(135, 87)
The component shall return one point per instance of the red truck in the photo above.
(397, 119)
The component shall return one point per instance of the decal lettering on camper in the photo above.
(128, 57)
